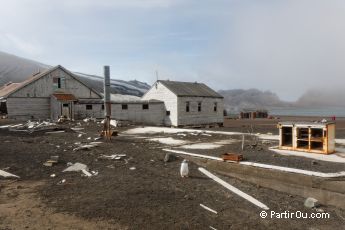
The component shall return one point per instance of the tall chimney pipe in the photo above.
(107, 104)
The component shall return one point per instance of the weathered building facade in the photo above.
(58, 93)
(187, 103)
(50, 94)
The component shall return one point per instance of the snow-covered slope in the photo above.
(17, 69)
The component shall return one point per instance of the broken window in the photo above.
(145, 106)
(168, 113)
(57, 83)
(88, 107)
(124, 106)
(199, 106)
(102, 106)
(187, 106)
(215, 107)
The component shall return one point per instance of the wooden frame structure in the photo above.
(307, 136)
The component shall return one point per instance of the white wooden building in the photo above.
(58, 92)
(187, 103)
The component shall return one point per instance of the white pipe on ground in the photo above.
(233, 189)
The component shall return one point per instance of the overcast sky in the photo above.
(284, 46)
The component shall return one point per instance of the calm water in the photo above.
(315, 111)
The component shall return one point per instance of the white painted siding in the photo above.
(28, 108)
(162, 93)
(135, 112)
(43, 87)
(207, 115)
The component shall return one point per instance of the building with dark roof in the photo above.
(187, 103)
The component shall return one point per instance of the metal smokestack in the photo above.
(107, 104)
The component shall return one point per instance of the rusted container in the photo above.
(232, 157)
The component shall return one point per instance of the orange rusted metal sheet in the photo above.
(64, 97)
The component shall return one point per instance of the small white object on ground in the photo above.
(86, 172)
(79, 135)
(52, 175)
(132, 168)
(184, 171)
(234, 189)
(7, 174)
(208, 209)
(53, 132)
(311, 202)
(113, 157)
(212, 228)
(76, 167)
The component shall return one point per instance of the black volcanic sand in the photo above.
(153, 196)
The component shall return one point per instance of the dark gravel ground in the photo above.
(153, 196)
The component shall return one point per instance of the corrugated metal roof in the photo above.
(7, 89)
(64, 97)
(190, 89)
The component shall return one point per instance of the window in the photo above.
(88, 107)
(199, 106)
(102, 106)
(145, 106)
(215, 107)
(64, 105)
(124, 106)
(57, 83)
(168, 113)
(187, 106)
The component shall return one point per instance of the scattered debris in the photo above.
(54, 132)
(319, 210)
(208, 209)
(311, 202)
(89, 119)
(77, 128)
(76, 167)
(31, 126)
(7, 174)
(53, 160)
(61, 182)
(212, 228)
(79, 135)
(88, 146)
(233, 189)
(113, 157)
(86, 172)
(184, 171)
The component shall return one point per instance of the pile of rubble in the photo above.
(31, 126)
